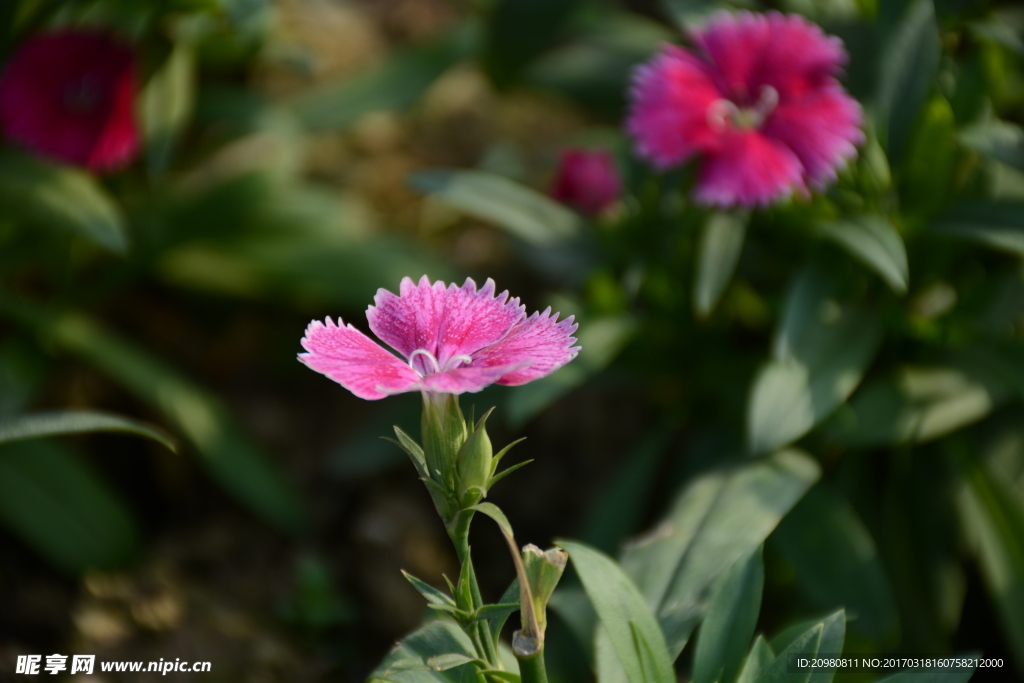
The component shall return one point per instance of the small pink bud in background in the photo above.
(70, 95)
(587, 180)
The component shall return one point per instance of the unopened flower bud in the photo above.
(474, 464)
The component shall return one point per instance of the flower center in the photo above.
(724, 113)
(82, 96)
(425, 363)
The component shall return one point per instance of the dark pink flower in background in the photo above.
(70, 95)
(757, 100)
(587, 180)
(453, 339)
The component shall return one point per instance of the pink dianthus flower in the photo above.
(453, 339)
(587, 180)
(70, 95)
(757, 100)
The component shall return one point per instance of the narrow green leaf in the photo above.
(61, 197)
(167, 102)
(500, 610)
(621, 608)
(523, 212)
(824, 637)
(394, 85)
(993, 515)
(914, 405)
(909, 64)
(228, 454)
(414, 450)
(809, 644)
(718, 518)
(1000, 140)
(431, 594)
(450, 661)
(731, 618)
(837, 563)
(66, 422)
(504, 473)
(495, 513)
(721, 241)
(757, 661)
(496, 460)
(62, 509)
(999, 225)
(409, 661)
(822, 349)
(875, 242)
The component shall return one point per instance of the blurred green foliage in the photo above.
(878, 326)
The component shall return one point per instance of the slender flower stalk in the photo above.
(453, 340)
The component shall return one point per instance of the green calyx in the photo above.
(455, 458)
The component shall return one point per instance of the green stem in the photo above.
(531, 666)
(478, 632)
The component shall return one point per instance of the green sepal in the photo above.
(445, 503)
(501, 475)
(443, 434)
(501, 454)
(435, 598)
(543, 571)
(412, 449)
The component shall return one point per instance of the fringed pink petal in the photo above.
(355, 361)
(445, 322)
(410, 320)
(668, 117)
(534, 348)
(787, 52)
(749, 169)
(822, 128)
(734, 44)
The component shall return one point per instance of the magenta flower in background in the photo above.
(757, 100)
(587, 181)
(454, 340)
(70, 95)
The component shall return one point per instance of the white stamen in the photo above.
(767, 102)
(450, 365)
(721, 111)
(428, 354)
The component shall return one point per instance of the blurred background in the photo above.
(213, 174)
